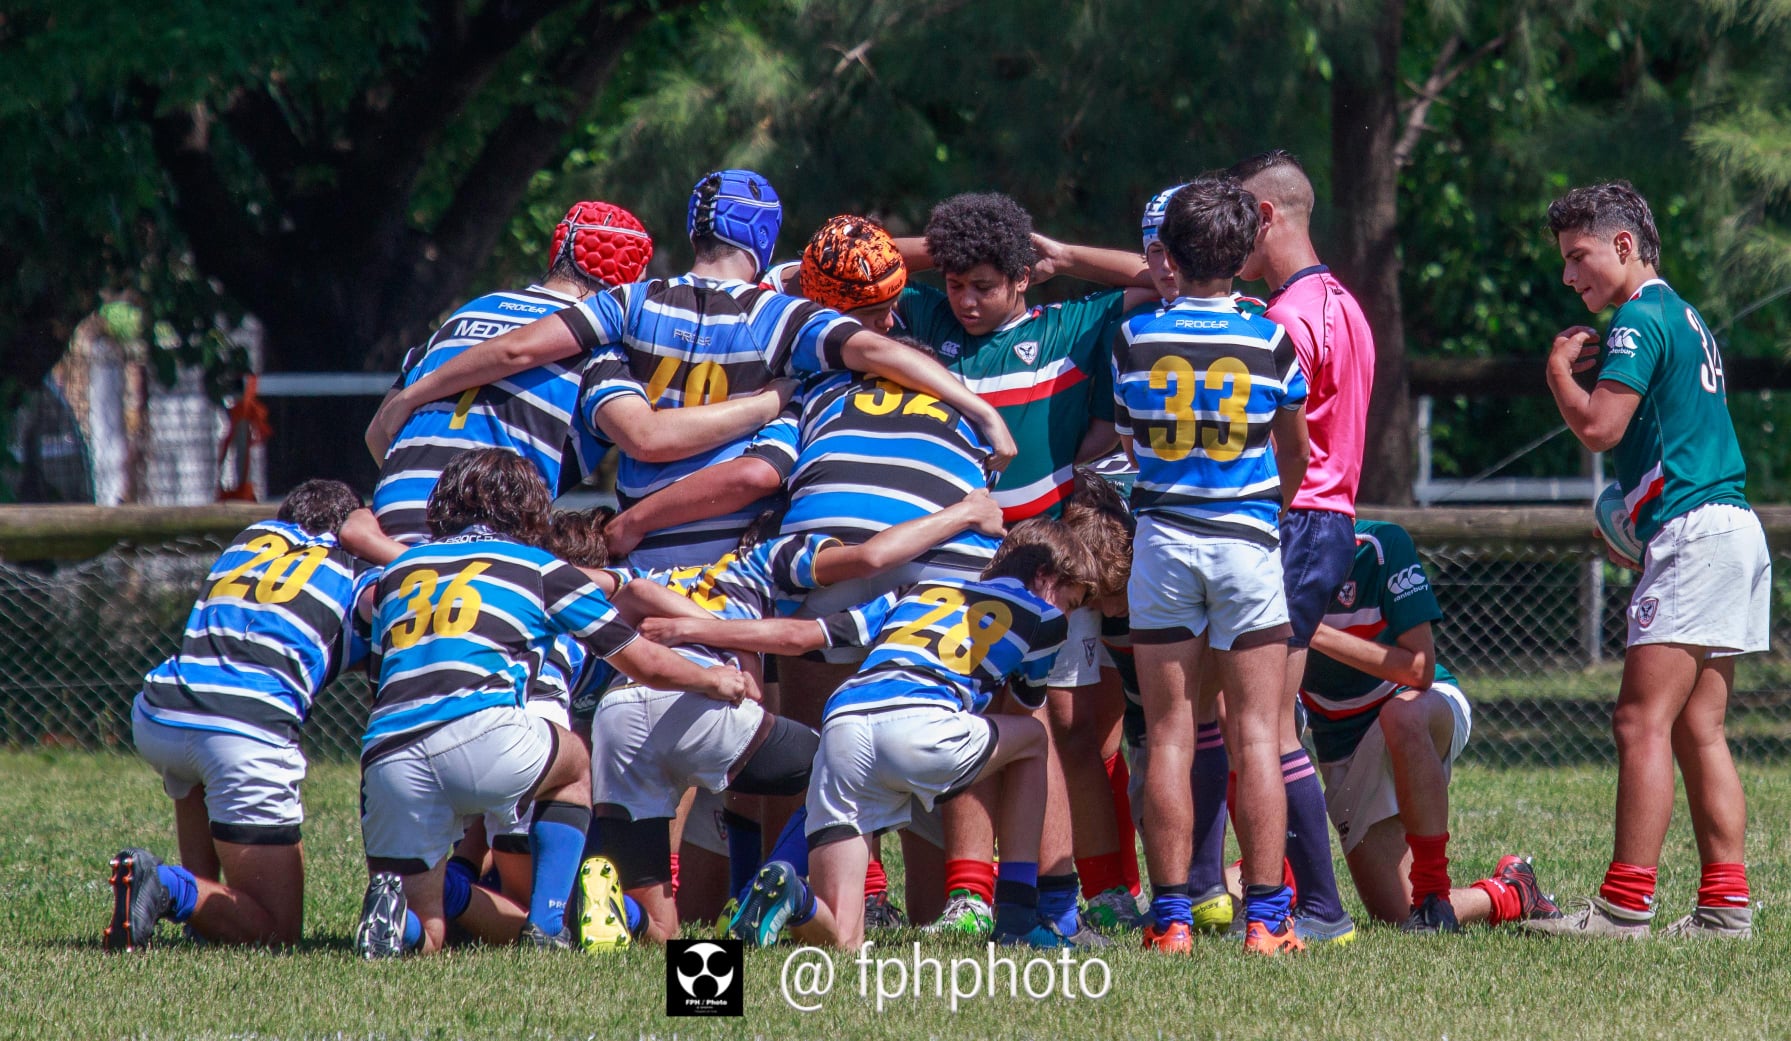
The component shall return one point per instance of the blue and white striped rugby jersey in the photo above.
(462, 624)
(692, 340)
(948, 642)
(1197, 384)
(872, 454)
(532, 413)
(272, 626)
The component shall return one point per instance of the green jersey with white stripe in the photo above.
(1047, 372)
(1680, 450)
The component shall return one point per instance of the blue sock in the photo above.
(1025, 872)
(806, 907)
(457, 887)
(636, 914)
(1212, 768)
(1309, 839)
(1268, 904)
(791, 847)
(745, 849)
(1171, 904)
(557, 837)
(183, 887)
(413, 931)
(1057, 902)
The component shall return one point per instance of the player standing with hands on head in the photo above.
(1704, 596)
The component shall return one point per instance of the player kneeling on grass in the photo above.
(458, 631)
(908, 730)
(220, 722)
(648, 747)
(1388, 722)
(1705, 594)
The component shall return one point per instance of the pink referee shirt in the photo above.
(1336, 353)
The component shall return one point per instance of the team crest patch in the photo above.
(1646, 610)
(1346, 593)
(1028, 351)
(950, 348)
(1088, 651)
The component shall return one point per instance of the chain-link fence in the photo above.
(1534, 628)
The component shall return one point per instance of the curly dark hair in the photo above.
(494, 487)
(981, 228)
(319, 506)
(1210, 228)
(576, 536)
(1607, 208)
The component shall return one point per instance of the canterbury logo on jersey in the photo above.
(1407, 582)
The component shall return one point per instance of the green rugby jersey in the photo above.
(1680, 450)
(1387, 595)
(1047, 372)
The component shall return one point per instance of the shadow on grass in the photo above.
(1577, 731)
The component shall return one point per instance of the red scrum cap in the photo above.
(605, 241)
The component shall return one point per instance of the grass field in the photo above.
(66, 812)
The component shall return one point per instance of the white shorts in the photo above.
(1222, 587)
(1080, 661)
(518, 823)
(706, 826)
(843, 596)
(417, 801)
(648, 746)
(877, 770)
(1359, 790)
(1706, 582)
(249, 784)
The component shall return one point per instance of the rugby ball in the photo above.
(1612, 517)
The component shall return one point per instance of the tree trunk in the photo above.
(1365, 198)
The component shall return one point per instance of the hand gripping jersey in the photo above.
(872, 454)
(1197, 385)
(948, 642)
(692, 340)
(1387, 594)
(1680, 450)
(1046, 372)
(461, 626)
(532, 413)
(272, 626)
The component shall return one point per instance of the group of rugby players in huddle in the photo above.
(861, 583)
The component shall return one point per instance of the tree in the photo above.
(340, 172)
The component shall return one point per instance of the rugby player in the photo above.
(1388, 722)
(458, 629)
(535, 412)
(908, 730)
(1660, 406)
(1206, 570)
(220, 721)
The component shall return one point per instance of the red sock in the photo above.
(875, 881)
(1723, 885)
(1101, 873)
(1630, 886)
(674, 873)
(976, 876)
(1430, 866)
(1119, 779)
(1507, 902)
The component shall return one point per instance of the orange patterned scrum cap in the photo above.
(851, 262)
